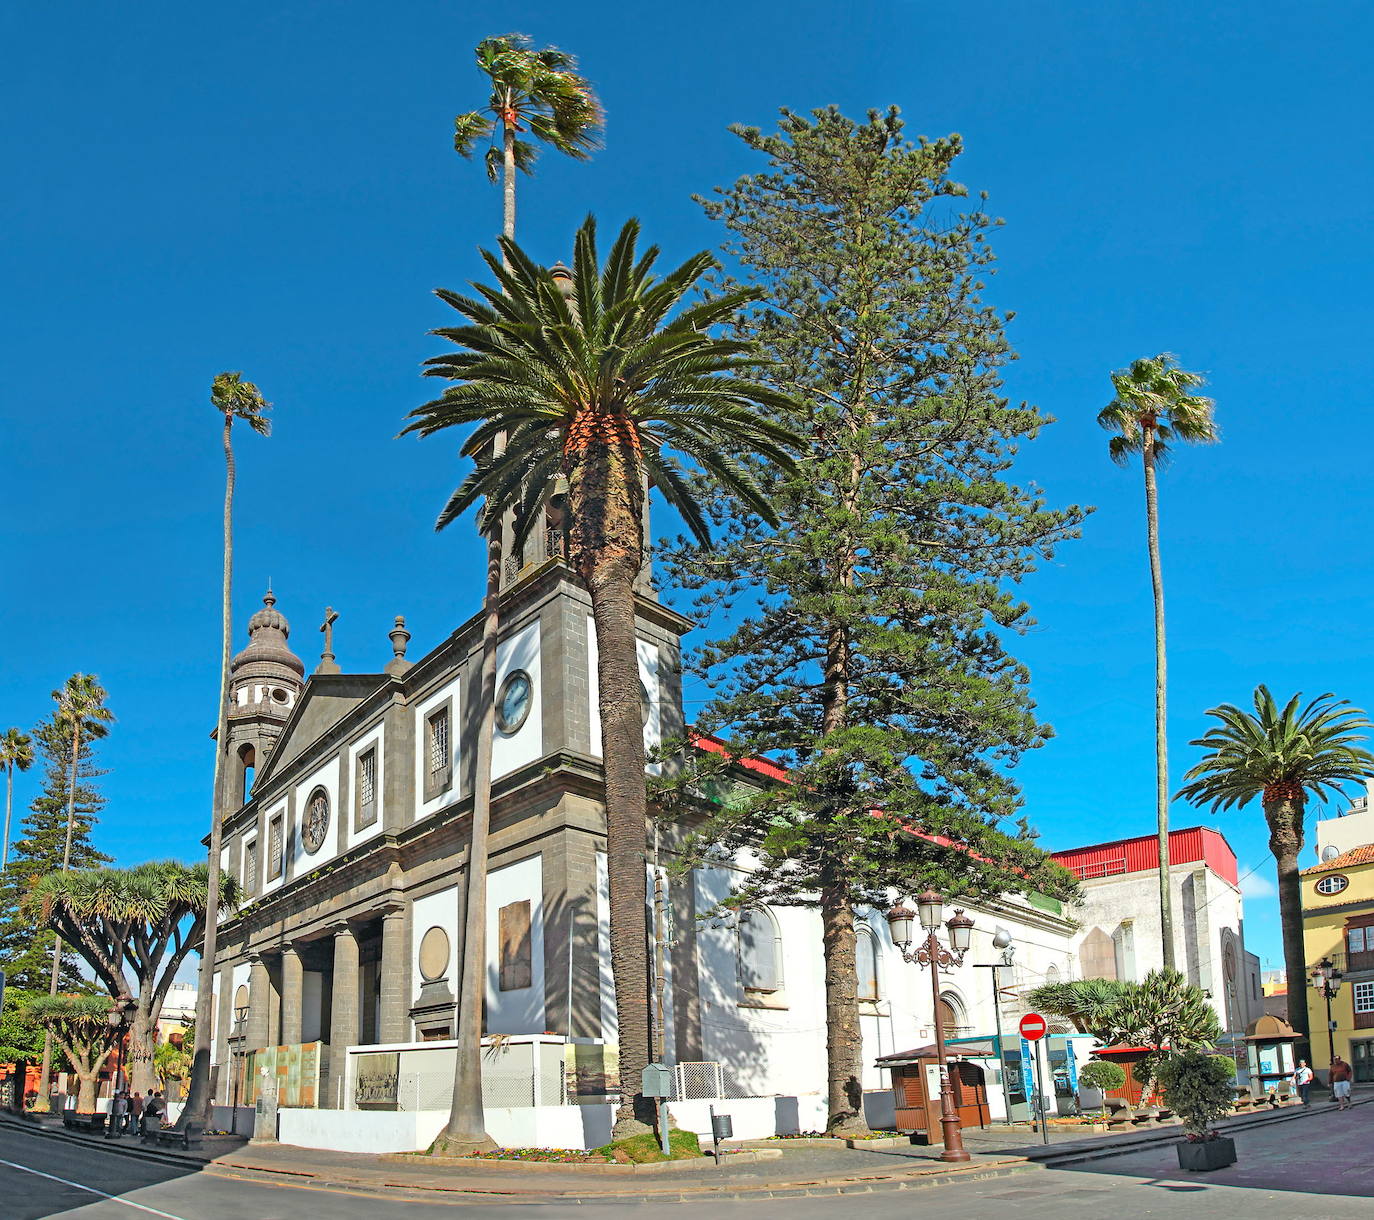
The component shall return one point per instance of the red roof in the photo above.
(1196, 844)
(763, 766)
(1347, 859)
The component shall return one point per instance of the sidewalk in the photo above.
(797, 1172)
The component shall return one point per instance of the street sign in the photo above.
(1033, 1026)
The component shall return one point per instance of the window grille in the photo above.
(367, 788)
(250, 867)
(438, 741)
(699, 1081)
(274, 848)
(1364, 997)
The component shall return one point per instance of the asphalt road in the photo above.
(1313, 1170)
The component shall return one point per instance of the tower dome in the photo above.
(268, 655)
(265, 683)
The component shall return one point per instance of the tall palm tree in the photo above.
(537, 92)
(590, 378)
(534, 93)
(233, 399)
(16, 754)
(1154, 406)
(82, 717)
(1281, 756)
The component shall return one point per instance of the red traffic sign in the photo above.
(1033, 1027)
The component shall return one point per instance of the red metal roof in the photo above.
(1194, 845)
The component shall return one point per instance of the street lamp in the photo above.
(1327, 979)
(930, 910)
(116, 1019)
(235, 1041)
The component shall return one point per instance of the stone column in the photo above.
(259, 1004)
(292, 998)
(343, 1017)
(395, 976)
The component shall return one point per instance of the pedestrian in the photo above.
(136, 1113)
(153, 1108)
(1341, 1076)
(1302, 1078)
(119, 1109)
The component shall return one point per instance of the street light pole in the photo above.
(933, 954)
(1001, 939)
(1327, 979)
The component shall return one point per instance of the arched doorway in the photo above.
(953, 1016)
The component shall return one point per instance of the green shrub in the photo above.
(1198, 1089)
(1102, 1075)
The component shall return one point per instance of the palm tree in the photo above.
(134, 927)
(1281, 757)
(16, 753)
(81, 717)
(539, 92)
(534, 92)
(1154, 406)
(234, 399)
(589, 379)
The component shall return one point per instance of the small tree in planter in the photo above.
(1198, 1089)
(1102, 1076)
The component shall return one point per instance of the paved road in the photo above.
(1315, 1169)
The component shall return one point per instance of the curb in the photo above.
(129, 1150)
(415, 1160)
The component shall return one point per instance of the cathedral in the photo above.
(350, 799)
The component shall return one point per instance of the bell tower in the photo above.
(265, 681)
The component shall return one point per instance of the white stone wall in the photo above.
(519, 1011)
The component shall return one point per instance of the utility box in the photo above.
(656, 1080)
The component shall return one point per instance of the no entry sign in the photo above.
(1033, 1027)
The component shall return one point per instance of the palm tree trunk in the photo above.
(197, 1108)
(1285, 818)
(508, 183)
(467, 1125)
(44, 1089)
(843, 1034)
(9, 813)
(606, 546)
(1166, 917)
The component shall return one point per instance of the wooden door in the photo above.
(970, 1093)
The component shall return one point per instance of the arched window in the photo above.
(1051, 975)
(953, 1016)
(866, 962)
(247, 763)
(760, 951)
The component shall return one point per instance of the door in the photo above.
(1362, 1060)
(970, 1093)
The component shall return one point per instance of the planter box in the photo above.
(1210, 1154)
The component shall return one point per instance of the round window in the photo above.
(1333, 884)
(279, 694)
(513, 701)
(646, 704)
(434, 955)
(316, 823)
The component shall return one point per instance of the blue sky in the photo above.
(272, 188)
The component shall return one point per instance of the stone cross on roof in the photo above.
(327, 664)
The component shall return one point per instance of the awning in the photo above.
(970, 1048)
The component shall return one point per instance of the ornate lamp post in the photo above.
(1327, 980)
(116, 1019)
(930, 952)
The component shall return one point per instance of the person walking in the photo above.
(136, 1113)
(1302, 1079)
(1341, 1076)
(119, 1108)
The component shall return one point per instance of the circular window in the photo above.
(645, 703)
(434, 955)
(241, 997)
(316, 823)
(1333, 884)
(513, 701)
(279, 694)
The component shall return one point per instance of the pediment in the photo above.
(327, 700)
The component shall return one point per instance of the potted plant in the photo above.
(1103, 1077)
(1198, 1088)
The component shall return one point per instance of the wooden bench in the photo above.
(190, 1136)
(83, 1122)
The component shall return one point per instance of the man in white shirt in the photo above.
(1302, 1079)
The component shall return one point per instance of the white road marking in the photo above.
(52, 1177)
